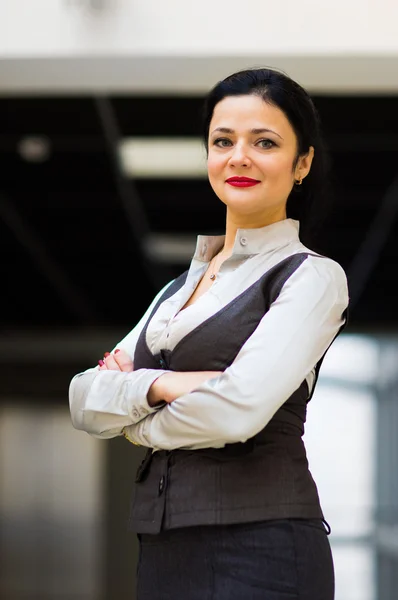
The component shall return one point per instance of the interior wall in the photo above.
(84, 27)
(73, 45)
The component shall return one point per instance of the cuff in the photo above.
(142, 407)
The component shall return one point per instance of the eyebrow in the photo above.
(253, 131)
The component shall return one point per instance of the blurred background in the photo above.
(102, 192)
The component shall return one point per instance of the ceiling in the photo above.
(72, 227)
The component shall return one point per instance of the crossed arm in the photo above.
(167, 387)
(210, 409)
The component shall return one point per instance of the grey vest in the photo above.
(267, 477)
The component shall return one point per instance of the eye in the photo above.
(266, 144)
(222, 142)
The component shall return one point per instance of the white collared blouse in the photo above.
(288, 342)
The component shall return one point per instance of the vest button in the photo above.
(161, 485)
(162, 363)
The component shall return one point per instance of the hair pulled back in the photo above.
(307, 203)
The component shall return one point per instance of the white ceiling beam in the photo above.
(191, 75)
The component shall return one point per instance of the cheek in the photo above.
(214, 166)
(279, 168)
(279, 164)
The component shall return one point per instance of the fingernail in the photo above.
(101, 362)
(117, 350)
(106, 354)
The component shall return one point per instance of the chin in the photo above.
(245, 208)
(243, 199)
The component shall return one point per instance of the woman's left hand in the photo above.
(118, 361)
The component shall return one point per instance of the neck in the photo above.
(235, 222)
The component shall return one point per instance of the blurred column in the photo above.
(121, 547)
(387, 473)
(51, 505)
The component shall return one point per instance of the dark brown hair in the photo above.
(309, 202)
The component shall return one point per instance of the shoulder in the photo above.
(322, 272)
(321, 265)
(324, 265)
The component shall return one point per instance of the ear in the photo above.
(304, 165)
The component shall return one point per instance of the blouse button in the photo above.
(243, 241)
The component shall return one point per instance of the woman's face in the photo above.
(254, 140)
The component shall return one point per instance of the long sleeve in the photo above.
(283, 350)
(102, 403)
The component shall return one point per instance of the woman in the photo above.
(216, 377)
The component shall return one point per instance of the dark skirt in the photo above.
(284, 559)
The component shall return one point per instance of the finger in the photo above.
(102, 366)
(123, 360)
(111, 363)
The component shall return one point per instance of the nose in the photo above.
(239, 156)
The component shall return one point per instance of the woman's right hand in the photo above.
(167, 387)
(170, 386)
(118, 361)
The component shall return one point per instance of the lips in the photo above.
(242, 181)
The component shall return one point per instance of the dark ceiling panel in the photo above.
(159, 116)
(70, 203)
(48, 116)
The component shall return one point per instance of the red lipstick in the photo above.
(242, 181)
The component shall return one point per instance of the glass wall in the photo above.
(341, 444)
(63, 494)
(51, 507)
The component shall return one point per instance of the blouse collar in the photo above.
(259, 240)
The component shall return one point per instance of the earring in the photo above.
(298, 181)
